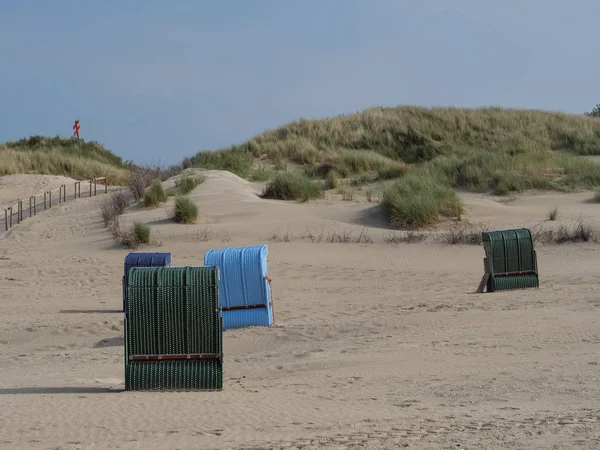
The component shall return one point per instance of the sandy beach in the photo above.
(375, 345)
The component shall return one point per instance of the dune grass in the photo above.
(495, 149)
(185, 210)
(492, 149)
(142, 232)
(292, 186)
(418, 199)
(154, 195)
(188, 183)
(74, 158)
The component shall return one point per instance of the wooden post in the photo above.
(30, 207)
(11, 214)
(6, 219)
(45, 194)
(90, 188)
(18, 211)
(50, 199)
(60, 194)
(34, 206)
(105, 185)
(95, 183)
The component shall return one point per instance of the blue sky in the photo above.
(156, 81)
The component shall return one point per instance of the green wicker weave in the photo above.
(174, 327)
(511, 259)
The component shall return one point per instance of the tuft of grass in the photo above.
(420, 199)
(597, 196)
(184, 210)
(333, 179)
(187, 183)
(142, 232)
(553, 214)
(154, 195)
(347, 193)
(292, 186)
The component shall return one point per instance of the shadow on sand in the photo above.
(59, 390)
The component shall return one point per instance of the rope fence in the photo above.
(16, 213)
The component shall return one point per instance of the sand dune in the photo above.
(22, 186)
(374, 345)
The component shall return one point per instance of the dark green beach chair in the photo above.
(173, 329)
(510, 260)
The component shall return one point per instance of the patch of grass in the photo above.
(184, 210)
(553, 214)
(187, 183)
(420, 199)
(347, 193)
(141, 232)
(261, 174)
(347, 162)
(237, 160)
(504, 172)
(154, 195)
(371, 195)
(292, 186)
(333, 179)
(361, 180)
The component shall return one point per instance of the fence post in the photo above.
(11, 214)
(64, 192)
(50, 198)
(30, 207)
(60, 194)
(6, 219)
(95, 183)
(105, 185)
(34, 206)
(18, 211)
(90, 188)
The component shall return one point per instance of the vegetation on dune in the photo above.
(475, 149)
(480, 150)
(141, 231)
(185, 210)
(292, 186)
(70, 157)
(187, 183)
(420, 199)
(154, 195)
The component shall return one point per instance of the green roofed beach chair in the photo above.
(173, 329)
(510, 260)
